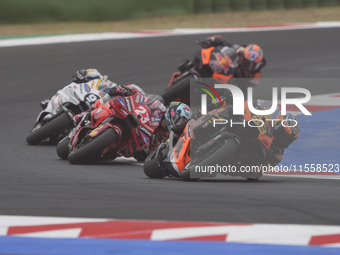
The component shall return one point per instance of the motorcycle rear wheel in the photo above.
(178, 90)
(152, 168)
(221, 156)
(57, 124)
(85, 153)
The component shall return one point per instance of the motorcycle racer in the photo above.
(220, 60)
(84, 76)
(178, 114)
(251, 57)
(283, 137)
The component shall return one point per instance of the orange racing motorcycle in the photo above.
(217, 62)
(231, 148)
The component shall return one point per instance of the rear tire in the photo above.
(152, 168)
(221, 156)
(86, 152)
(178, 91)
(57, 124)
(62, 148)
(185, 175)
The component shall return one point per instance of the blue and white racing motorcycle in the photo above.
(56, 120)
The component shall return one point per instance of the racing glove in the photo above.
(120, 90)
(80, 76)
(77, 118)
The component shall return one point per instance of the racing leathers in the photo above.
(251, 60)
(99, 82)
(260, 144)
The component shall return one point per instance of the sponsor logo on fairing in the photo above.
(146, 139)
(124, 112)
(141, 101)
(87, 88)
(96, 131)
(146, 131)
(121, 100)
(128, 104)
(156, 119)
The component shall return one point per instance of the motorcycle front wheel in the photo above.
(152, 168)
(85, 152)
(56, 125)
(62, 148)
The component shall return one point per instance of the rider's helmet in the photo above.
(92, 74)
(251, 57)
(286, 131)
(177, 116)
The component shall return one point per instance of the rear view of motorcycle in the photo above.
(197, 147)
(222, 143)
(56, 120)
(217, 62)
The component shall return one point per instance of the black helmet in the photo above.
(286, 131)
(177, 116)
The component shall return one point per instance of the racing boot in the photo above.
(44, 103)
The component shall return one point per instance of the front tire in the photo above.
(86, 152)
(57, 124)
(62, 148)
(152, 168)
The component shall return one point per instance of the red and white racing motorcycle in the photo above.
(122, 126)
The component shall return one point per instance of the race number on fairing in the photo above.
(143, 114)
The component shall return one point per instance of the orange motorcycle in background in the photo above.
(218, 63)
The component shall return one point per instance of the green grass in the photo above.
(226, 19)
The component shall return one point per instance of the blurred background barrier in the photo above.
(41, 11)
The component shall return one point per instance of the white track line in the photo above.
(41, 40)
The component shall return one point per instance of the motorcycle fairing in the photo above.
(206, 54)
(73, 93)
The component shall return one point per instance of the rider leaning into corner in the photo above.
(83, 76)
(178, 114)
(156, 107)
(251, 58)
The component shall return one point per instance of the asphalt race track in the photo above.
(33, 181)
